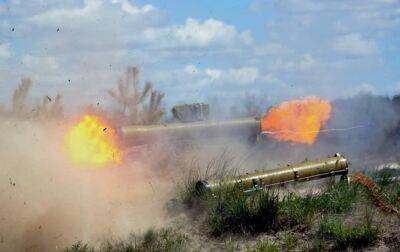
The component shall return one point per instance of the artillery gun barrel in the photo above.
(336, 165)
(142, 134)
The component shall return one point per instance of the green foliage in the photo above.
(231, 210)
(187, 196)
(389, 187)
(294, 210)
(265, 246)
(187, 193)
(317, 244)
(80, 247)
(152, 240)
(339, 198)
(348, 236)
(290, 240)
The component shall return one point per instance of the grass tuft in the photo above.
(290, 240)
(337, 199)
(153, 240)
(80, 247)
(388, 186)
(343, 236)
(265, 246)
(187, 197)
(231, 210)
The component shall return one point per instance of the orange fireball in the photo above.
(92, 142)
(297, 121)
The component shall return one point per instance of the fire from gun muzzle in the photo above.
(297, 121)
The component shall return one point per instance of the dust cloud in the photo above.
(48, 204)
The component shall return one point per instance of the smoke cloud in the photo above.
(48, 204)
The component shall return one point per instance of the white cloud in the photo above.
(134, 10)
(238, 76)
(270, 49)
(192, 69)
(90, 10)
(355, 44)
(387, 1)
(270, 78)
(57, 17)
(366, 88)
(214, 74)
(304, 62)
(5, 51)
(307, 61)
(39, 63)
(197, 34)
(244, 75)
(99, 38)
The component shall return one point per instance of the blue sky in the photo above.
(197, 50)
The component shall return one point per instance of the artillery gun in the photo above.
(191, 122)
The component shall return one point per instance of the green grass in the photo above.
(186, 195)
(231, 210)
(80, 247)
(231, 245)
(152, 240)
(290, 240)
(265, 246)
(343, 237)
(390, 188)
(337, 199)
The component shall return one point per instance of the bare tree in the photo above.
(49, 108)
(251, 105)
(57, 109)
(131, 98)
(153, 111)
(20, 95)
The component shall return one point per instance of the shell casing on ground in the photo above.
(332, 166)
